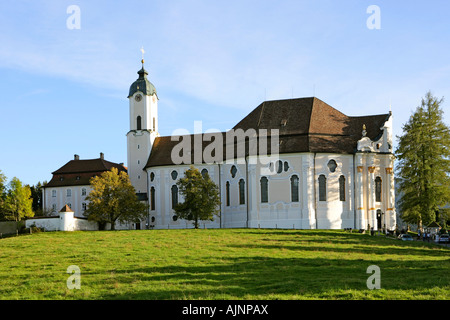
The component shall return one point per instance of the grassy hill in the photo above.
(220, 264)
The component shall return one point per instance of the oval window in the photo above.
(332, 165)
(233, 171)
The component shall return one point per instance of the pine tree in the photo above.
(201, 197)
(423, 163)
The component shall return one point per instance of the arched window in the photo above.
(174, 175)
(204, 173)
(241, 191)
(378, 189)
(294, 188)
(227, 193)
(322, 188)
(152, 198)
(342, 188)
(264, 190)
(174, 196)
(138, 123)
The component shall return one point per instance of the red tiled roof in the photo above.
(79, 172)
(304, 124)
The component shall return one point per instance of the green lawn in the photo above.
(220, 264)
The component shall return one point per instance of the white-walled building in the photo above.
(321, 170)
(70, 184)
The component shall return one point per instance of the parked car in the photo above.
(444, 238)
(405, 237)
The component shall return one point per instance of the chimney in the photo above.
(102, 156)
(76, 157)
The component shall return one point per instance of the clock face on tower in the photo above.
(138, 97)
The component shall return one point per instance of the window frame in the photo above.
(152, 198)
(264, 186)
(241, 184)
(322, 180)
(227, 193)
(378, 189)
(342, 188)
(295, 188)
(174, 195)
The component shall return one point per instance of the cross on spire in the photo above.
(142, 50)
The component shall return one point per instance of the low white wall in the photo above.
(64, 222)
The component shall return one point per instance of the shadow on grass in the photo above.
(361, 249)
(266, 278)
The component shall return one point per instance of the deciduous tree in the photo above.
(113, 199)
(18, 202)
(2, 194)
(201, 197)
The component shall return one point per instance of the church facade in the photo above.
(294, 163)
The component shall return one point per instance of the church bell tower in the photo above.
(143, 102)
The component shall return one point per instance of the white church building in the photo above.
(295, 163)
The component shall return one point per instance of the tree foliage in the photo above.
(36, 194)
(113, 199)
(423, 163)
(17, 201)
(201, 197)
(2, 194)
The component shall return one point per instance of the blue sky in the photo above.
(64, 91)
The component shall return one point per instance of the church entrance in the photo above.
(379, 218)
(138, 226)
